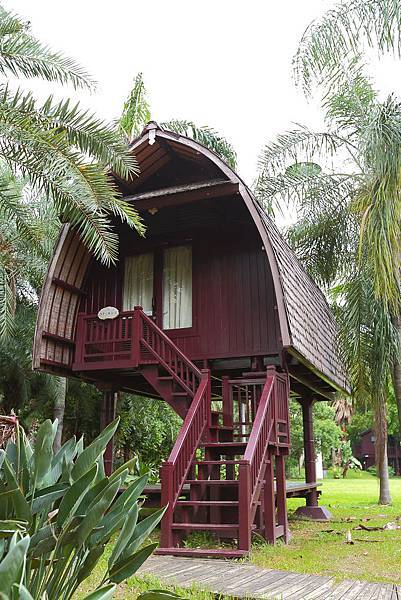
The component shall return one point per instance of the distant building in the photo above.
(364, 451)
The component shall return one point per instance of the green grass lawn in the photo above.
(318, 547)
(321, 548)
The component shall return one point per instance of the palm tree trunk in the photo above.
(381, 450)
(397, 371)
(58, 411)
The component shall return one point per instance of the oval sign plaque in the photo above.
(108, 312)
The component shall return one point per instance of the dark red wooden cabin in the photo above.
(215, 316)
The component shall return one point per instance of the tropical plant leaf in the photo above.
(11, 565)
(90, 454)
(103, 593)
(129, 565)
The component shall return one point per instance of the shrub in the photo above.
(58, 512)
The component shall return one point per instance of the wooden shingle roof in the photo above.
(311, 325)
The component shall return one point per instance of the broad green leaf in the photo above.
(43, 452)
(128, 566)
(11, 452)
(142, 530)
(67, 451)
(74, 495)
(44, 547)
(96, 511)
(41, 534)
(21, 592)
(90, 495)
(90, 455)
(131, 494)
(45, 500)
(89, 563)
(11, 565)
(130, 464)
(103, 593)
(125, 535)
(110, 523)
(25, 451)
(21, 506)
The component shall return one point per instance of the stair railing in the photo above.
(253, 465)
(151, 344)
(174, 471)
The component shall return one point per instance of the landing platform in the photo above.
(246, 581)
(295, 489)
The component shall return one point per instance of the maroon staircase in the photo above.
(229, 455)
(235, 475)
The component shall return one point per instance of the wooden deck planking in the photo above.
(248, 581)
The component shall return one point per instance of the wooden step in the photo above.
(207, 503)
(212, 481)
(216, 462)
(180, 394)
(222, 445)
(165, 378)
(202, 552)
(221, 427)
(208, 526)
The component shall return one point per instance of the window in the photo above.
(177, 287)
(138, 282)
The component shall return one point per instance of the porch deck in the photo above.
(294, 489)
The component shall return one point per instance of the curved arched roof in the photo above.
(307, 325)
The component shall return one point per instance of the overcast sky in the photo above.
(224, 63)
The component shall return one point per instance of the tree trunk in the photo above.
(58, 411)
(397, 372)
(381, 450)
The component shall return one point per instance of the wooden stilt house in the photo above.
(212, 313)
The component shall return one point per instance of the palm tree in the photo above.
(136, 114)
(350, 229)
(346, 218)
(64, 152)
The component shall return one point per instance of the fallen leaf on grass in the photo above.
(391, 526)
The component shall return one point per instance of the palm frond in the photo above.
(44, 153)
(206, 136)
(136, 110)
(22, 54)
(343, 31)
(368, 340)
(299, 145)
(378, 202)
(325, 243)
(89, 134)
(7, 301)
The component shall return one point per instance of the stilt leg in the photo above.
(281, 495)
(269, 507)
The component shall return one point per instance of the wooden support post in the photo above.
(167, 499)
(107, 415)
(244, 534)
(281, 494)
(312, 510)
(309, 449)
(269, 506)
(227, 402)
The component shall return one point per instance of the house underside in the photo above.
(212, 313)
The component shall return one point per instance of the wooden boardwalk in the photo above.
(242, 580)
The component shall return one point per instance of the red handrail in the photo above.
(175, 470)
(273, 400)
(149, 339)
